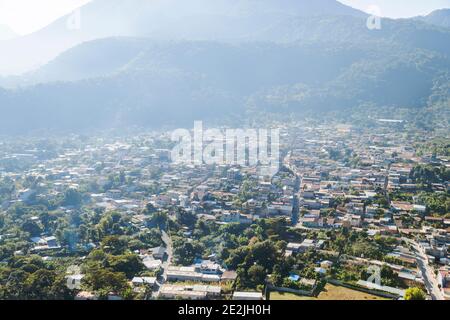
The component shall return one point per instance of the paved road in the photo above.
(298, 180)
(166, 263)
(428, 275)
(169, 250)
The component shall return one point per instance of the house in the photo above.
(142, 282)
(305, 245)
(320, 270)
(239, 295)
(312, 204)
(279, 208)
(444, 281)
(435, 250)
(410, 278)
(233, 174)
(47, 243)
(51, 242)
(208, 267)
(229, 276)
(158, 253)
(235, 217)
(420, 208)
(85, 295)
(311, 221)
(190, 274)
(196, 292)
(151, 264)
(326, 264)
(402, 206)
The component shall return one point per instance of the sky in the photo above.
(399, 8)
(27, 16)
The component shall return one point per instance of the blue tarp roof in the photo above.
(294, 277)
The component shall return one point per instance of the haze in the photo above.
(27, 16)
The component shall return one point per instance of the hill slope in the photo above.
(225, 60)
(162, 19)
(439, 18)
(176, 83)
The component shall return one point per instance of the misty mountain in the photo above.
(438, 17)
(160, 19)
(229, 62)
(147, 82)
(96, 59)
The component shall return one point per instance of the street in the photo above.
(168, 242)
(166, 263)
(428, 275)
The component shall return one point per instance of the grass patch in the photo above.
(330, 292)
(275, 295)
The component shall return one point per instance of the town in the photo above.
(353, 212)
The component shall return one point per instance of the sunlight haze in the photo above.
(27, 16)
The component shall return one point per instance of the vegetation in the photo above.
(415, 294)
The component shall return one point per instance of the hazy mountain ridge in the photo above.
(79, 63)
(295, 62)
(438, 17)
(182, 81)
(91, 59)
(163, 19)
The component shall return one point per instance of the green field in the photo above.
(331, 292)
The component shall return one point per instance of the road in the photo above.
(166, 263)
(428, 275)
(295, 202)
(169, 250)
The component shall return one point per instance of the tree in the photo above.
(415, 294)
(110, 223)
(257, 275)
(428, 174)
(104, 281)
(114, 245)
(159, 219)
(264, 254)
(186, 218)
(186, 252)
(38, 284)
(32, 228)
(129, 264)
(72, 198)
(149, 209)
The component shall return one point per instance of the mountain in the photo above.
(160, 19)
(6, 33)
(84, 62)
(146, 82)
(439, 18)
(226, 61)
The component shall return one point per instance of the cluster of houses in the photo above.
(331, 178)
(206, 275)
(341, 186)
